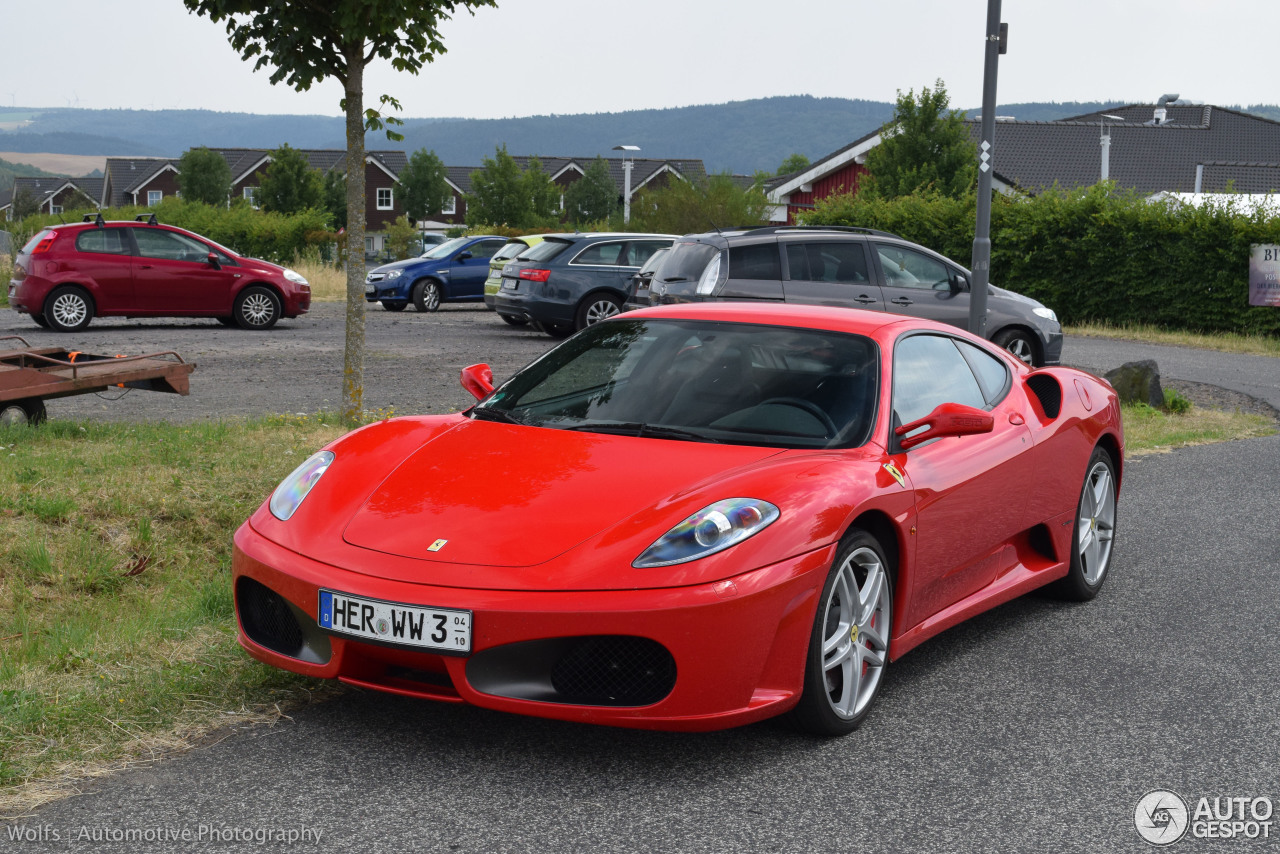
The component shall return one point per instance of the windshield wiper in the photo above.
(485, 413)
(637, 428)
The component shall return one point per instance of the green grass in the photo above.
(117, 635)
(1225, 342)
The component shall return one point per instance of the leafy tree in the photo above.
(308, 42)
(204, 176)
(401, 235)
(24, 204)
(426, 188)
(683, 207)
(76, 200)
(335, 197)
(925, 145)
(499, 194)
(594, 196)
(795, 163)
(544, 196)
(290, 184)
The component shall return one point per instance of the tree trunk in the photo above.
(353, 355)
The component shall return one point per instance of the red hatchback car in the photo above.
(67, 275)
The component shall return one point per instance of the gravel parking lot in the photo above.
(412, 361)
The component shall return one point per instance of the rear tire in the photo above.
(30, 412)
(257, 308)
(68, 309)
(597, 307)
(1094, 533)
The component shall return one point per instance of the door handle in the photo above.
(900, 301)
(864, 299)
(144, 266)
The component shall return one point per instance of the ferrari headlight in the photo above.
(295, 277)
(1046, 313)
(394, 274)
(289, 494)
(710, 530)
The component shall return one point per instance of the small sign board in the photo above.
(1264, 275)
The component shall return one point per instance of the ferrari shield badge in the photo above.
(436, 546)
(895, 474)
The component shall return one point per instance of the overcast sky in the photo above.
(534, 57)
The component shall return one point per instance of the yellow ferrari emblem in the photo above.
(897, 475)
(436, 546)
(853, 634)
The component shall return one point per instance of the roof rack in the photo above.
(852, 229)
(150, 219)
(95, 219)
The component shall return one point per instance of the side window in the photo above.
(755, 261)
(992, 373)
(844, 263)
(928, 370)
(642, 251)
(168, 245)
(108, 240)
(606, 254)
(486, 248)
(904, 268)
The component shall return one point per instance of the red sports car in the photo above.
(688, 517)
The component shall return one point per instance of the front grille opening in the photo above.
(267, 618)
(614, 670)
(424, 677)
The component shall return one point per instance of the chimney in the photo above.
(1161, 114)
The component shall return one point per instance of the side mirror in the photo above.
(959, 284)
(478, 380)
(213, 261)
(949, 419)
(464, 256)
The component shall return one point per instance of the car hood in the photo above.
(407, 262)
(1014, 296)
(509, 496)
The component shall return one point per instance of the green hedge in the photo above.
(1094, 254)
(270, 236)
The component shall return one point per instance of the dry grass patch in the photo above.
(1227, 342)
(328, 283)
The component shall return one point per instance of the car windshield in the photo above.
(444, 250)
(729, 383)
(686, 261)
(509, 251)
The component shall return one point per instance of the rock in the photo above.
(1138, 382)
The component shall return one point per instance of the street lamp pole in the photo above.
(996, 44)
(628, 162)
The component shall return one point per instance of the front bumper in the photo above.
(738, 646)
(1051, 341)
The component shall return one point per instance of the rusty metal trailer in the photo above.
(31, 375)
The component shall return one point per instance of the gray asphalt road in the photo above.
(1035, 727)
(1256, 376)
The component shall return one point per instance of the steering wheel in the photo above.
(809, 407)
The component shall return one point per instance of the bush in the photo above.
(1094, 254)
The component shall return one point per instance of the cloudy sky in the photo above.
(533, 57)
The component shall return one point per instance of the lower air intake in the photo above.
(614, 670)
(267, 619)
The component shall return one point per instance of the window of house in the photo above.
(55, 209)
(384, 198)
(154, 197)
(251, 195)
(451, 207)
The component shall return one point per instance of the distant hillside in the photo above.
(740, 136)
(9, 171)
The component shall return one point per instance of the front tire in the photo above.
(849, 644)
(1019, 343)
(426, 295)
(1094, 533)
(394, 304)
(257, 308)
(68, 309)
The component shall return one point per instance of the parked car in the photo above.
(690, 517)
(66, 275)
(509, 252)
(570, 281)
(638, 292)
(854, 267)
(454, 271)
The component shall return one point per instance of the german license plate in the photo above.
(440, 629)
(369, 290)
(510, 285)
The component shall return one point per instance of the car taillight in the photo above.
(535, 275)
(45, 243)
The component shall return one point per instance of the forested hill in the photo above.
(740, 136)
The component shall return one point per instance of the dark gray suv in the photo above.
(851, 267)
(570, 281)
